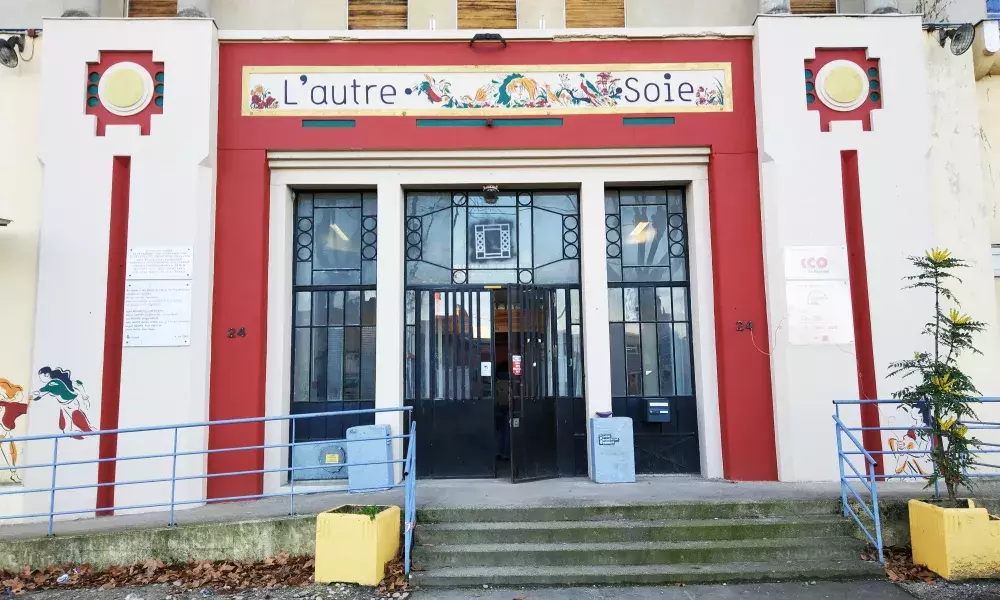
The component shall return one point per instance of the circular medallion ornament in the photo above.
(125, 89)
(842, 85)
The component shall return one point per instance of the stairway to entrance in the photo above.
(696, 542)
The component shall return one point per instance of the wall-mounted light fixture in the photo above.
(5, 222)
(9, 49)
(961, 36)
(487, 37)
(491, 193)
(12, 48)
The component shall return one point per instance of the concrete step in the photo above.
(796, 570)
(635, 512)
(632, 531)
(636, 553)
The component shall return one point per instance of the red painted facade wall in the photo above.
(242, 205)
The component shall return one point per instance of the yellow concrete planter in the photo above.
(955, 543)
(354, 548)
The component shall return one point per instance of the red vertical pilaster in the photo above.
(854, 226)
(114, 322)
(239, 300)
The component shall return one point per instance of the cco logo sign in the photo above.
(815, 262)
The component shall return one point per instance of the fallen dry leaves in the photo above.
(899, 565)
(395, 578)
(279, 571)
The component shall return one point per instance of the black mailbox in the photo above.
(658, 410)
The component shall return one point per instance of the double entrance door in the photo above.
(493, 375)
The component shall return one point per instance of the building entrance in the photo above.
(495, 377)
(493, 366)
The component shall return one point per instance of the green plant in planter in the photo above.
(944, 393)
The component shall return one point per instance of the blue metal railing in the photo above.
(870, 479)
(875, 537)
(291, 490)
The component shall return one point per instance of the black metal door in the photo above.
(534, 451)
(449, 335)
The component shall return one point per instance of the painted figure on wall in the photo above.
(71, 396)
(906, 446)
(13, 405)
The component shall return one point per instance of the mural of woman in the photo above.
(70, 395)
(12, 406)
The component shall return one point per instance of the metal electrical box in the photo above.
(326, 462)
(372, 446)
(612, 450)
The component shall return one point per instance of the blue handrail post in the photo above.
(840, 461)
(410, 495)
(52, 490)
(173, 481)
(876, 516)
(291, 472)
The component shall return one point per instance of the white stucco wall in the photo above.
(802, 205)
(171, 203)
(988, 96)
(963, 212)
(965, 204)
(20, 201)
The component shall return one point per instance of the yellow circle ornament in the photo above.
(842, 85)
(125, 89)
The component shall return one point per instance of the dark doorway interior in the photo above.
(492, 377)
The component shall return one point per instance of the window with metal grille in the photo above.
(333, 328)
(649, 314)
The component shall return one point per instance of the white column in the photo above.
(389, 314)
(703, 322)
(594, 284)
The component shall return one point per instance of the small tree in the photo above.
(944, 392)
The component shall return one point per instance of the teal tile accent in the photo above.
(873, 84)
(451, 122)
(92, 90)
(92, 102)
(328, 123)
(527, 122)
(159, 101)
(874, 96)
(159, 88)
(873, 72)
(94, 77)
(159, 77)
(810, 98)
(648, 120)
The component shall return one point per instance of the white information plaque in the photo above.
(160, 262)
(819, 312)
(157, 313)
